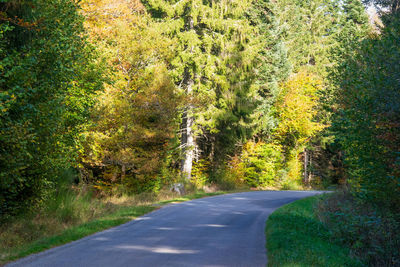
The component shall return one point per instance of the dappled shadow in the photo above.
(222, 231)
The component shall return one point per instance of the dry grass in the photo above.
(72, 215)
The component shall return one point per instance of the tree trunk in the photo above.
(310, 171)
(123, 172)
(187, 141)
(305, 167)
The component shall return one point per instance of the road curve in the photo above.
(225, 230)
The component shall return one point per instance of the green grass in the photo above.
(295, 237)
(47, 238)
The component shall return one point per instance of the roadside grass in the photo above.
(75, 216)
(296, 237)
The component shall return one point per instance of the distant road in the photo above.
(226, 230)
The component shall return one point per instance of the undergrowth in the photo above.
(372, 234)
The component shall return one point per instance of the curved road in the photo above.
(225, 230)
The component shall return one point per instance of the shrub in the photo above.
(261, 163)
(200, 174)
(371, 233)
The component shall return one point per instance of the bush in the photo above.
(200, 174)
(371, 233)
(261, 163)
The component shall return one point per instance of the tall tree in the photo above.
(47, 78)
(367, 120)
(206, 34)
(254, 88)
(271, 64)
(135, 117)
(310, 30)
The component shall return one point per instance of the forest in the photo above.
(129, 97)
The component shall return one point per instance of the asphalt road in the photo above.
(226, 230)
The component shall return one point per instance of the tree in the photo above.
(254, 89)
(367, 120)
(297, 109)
(135, 118)
(271, 63)
(310, 30)
(47, 78)
(207, 34)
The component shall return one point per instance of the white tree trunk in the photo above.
(187, 141)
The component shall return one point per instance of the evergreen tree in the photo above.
(252, 113)
(207, 35)
(271, 66)
(310, 31)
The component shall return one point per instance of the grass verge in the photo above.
(295, 237)
(29, 235)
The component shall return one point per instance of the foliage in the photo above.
(231, 176)
(246, 108)
(296, 107)
(367, 120)
(371, 234)
(212, 64)
(315, 33)
(200, 173)
(309, 31)
(261, 163)
(296, 110)
(47, 80)
(135, 117)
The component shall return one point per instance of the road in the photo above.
(225, 230)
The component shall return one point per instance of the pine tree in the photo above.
(246, 108)
(310, 30)
(206, 34)
(271, 66)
